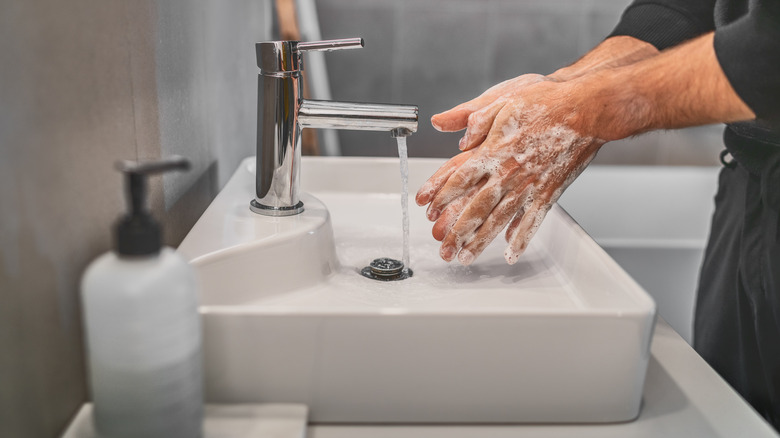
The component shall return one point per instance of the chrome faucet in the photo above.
(283, 113)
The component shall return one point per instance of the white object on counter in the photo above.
(225, 421)
(142, 327)
(143, 342)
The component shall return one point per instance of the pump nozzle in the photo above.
(137, 233)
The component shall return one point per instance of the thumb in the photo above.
(458, 118)
(452, 120)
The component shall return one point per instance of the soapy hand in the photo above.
(477, 114)
(535, 137)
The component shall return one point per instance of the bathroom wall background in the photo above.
(439, 53)
(84, 83)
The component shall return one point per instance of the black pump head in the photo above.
(137, 233)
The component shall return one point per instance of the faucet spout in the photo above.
(357, 116)
(400, 132)
(282, 114)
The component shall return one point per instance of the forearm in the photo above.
(683, 86)
(612, 52)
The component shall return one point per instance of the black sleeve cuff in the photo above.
(748, 51)
(665, 23)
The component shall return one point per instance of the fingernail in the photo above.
(466, 257)
(433, 215)
(424, 194)
(447, 253)
(510, 256)
(434, 123)
(462, 143)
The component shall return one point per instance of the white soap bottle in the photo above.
(142, 327)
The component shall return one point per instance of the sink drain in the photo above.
(386, 269)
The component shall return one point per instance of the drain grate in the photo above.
(386, 269)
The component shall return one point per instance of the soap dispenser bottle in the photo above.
(142, 326)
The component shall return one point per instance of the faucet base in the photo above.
(265, 210)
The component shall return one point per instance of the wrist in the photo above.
(564, 74)
(611, 53)
(609, 106)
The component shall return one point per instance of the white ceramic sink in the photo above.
(562, 336)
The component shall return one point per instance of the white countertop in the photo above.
(683, 397)
(224, 421)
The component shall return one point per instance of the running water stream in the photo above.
(402, 155)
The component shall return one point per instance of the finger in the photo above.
(479, 125)
(472, 218)
(510, 230)
(526, 205)
(499, 217)
(453, 211)
(467, 176)
(456, 118)
(451, 120)
(556, 188)
(526, 228)
(438, 179)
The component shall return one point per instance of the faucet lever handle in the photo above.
(330, 45)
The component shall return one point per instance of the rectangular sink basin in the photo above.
(562, 336)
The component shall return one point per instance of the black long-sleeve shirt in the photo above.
(747, 46)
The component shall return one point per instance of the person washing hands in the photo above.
(668, 64)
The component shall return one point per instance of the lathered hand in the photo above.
(477, 114)
(538, 138)
(540, 134)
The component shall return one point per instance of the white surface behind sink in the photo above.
(563, 336)
(654, 221)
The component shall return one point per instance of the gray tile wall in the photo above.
(84, 83)
(438, 53)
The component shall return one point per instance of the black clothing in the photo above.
(737, 323)
(666, 23)
(737, 320)
(747, 41)
(747, 44)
